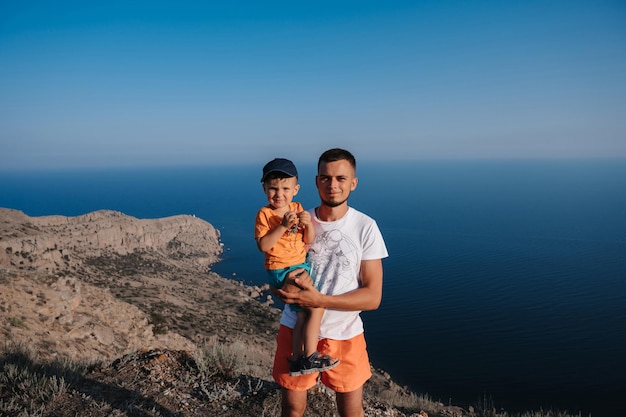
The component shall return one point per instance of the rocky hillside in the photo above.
(101, 286)
(106, 283)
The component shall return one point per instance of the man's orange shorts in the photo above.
(348, 376)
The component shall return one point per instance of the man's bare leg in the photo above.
(293, 403)
(350, 404)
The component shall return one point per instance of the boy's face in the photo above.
(280, 191)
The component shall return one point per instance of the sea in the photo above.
(505, 287)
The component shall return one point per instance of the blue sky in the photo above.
(122, 83)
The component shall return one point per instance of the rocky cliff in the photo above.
(104, 283)
(59, 244)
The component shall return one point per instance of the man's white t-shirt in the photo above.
(335, 257)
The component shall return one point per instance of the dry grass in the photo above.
(215, 381)
(27, 384)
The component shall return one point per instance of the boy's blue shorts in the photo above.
(277, 277)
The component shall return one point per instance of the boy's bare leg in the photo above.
(293, 403)
(312, 330)
(350, 404)
(298, 337)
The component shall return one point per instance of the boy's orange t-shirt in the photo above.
(290, 249)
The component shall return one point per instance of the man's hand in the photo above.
(307, 297)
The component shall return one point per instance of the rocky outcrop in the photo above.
(59, 243)
(67, 318)
(100, 284)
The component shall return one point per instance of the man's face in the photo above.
(335, 180)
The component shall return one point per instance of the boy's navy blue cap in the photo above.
(279, 165)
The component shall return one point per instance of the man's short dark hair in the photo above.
(337, 154)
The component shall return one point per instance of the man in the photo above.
(346, 260)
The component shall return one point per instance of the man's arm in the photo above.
(367, 297)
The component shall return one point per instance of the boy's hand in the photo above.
(305, 218)
(290, 219)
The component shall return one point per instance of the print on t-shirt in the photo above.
(333, 256)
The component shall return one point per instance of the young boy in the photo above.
(282, 231)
